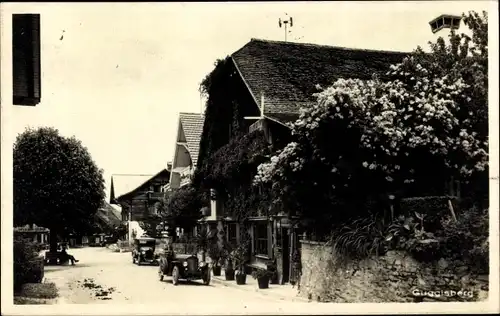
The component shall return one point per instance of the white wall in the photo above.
(134, 225)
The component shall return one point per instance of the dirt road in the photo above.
(105, 277)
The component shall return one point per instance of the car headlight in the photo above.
(185, 264)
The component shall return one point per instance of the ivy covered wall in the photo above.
(229, 154)
(228, 101)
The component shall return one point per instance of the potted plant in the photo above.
(215, 253)
(262, 276)
(203, 242)
(228, 260)
(240, 257)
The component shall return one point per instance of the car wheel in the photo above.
(206, 277)
(175, 275)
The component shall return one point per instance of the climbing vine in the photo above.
(231, 169)
(228, 155)
(228, 101)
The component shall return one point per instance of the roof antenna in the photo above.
(285, 22)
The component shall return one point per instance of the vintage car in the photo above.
(183, 266)
(144, 251)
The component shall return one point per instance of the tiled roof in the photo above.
(287, 73)
(192, 125)
(122, 184)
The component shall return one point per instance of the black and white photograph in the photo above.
(249, 157)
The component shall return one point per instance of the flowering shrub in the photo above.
(424, 122)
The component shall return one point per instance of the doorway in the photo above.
(285, 239)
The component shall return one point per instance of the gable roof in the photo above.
(192, 125)
(287, 73)
(124, 184)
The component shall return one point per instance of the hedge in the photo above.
(434, 208)
(28, 264)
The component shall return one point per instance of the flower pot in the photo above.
(263, 282)
(229, 273)
(241, 278)
(216, 270)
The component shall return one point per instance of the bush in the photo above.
(28, 264)
(359, 239)
(39, 290)
(467, 239)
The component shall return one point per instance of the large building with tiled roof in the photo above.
(266, 83)
(187, 147)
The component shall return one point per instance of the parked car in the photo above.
(183, 266)
(144, 251)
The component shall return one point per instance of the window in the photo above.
(261, 238)
(26, 59)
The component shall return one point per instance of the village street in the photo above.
(105, 277)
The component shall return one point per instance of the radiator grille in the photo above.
(192, 263)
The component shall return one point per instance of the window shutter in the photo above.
(26, 66)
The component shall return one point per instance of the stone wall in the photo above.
(393, 277)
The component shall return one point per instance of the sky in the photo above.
(121, 72)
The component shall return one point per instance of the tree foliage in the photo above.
(367, 138)
(56, 183)
(181, 207)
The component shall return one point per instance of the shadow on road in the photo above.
(51, 268)
(190, 283)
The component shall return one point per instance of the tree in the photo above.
(181, 207)
(150, 224)
(56, 183)
(120, 231)
(367, 138)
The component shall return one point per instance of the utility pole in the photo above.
(285, 22)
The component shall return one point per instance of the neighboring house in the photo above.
(26, 63)
(138, 195)
(187, 146)
(33, 233)
(274, 80)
